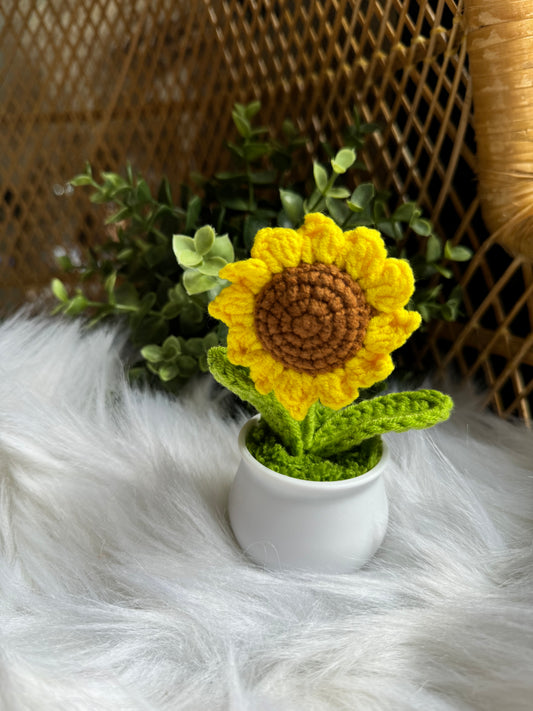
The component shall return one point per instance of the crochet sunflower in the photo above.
(315, 313)
(313, 316)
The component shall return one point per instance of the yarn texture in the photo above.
(315, 312)
(313, 316)
(327, 445)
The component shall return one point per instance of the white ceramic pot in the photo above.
(286, 523)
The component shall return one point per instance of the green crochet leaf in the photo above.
(396, 412)
(237, 379)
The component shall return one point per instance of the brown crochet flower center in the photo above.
(312, 318)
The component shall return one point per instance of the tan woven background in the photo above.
(152, 81)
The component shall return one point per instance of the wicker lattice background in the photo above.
(151, 81)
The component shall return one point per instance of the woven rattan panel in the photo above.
(152, 82)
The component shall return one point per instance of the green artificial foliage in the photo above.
(328, 444)
(158, 267)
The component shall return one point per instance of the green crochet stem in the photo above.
(326, 433)
(236, 379)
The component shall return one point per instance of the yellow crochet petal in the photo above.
(264, 370)
(367, 368)
(388, 331)
(364, 253)
(335, 390)
(296, 392)
(253, 274)
(234, 306)
(322, 239)
(242, 345)
(278, 248)
(392, 288)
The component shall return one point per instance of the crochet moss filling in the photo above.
(264, 446)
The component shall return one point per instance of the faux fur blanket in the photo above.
(122, 587)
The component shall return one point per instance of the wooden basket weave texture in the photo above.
(152, 82)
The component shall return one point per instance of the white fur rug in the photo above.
(122, 588)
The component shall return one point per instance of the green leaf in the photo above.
(189, 259)
(196, 283)
(253, 151)
(81, 180)
(126, 294)
(223, 248)
(181, 243)
(237, 203)
(164, 193)
(178, 295)
(320, 175)
(425, 311)
(252, 109)
(194, 207)
(59, 290)
(344, 159)
(171, 348)
(204, 239)
(143, 191)
(114, 180)
(444, 271)
(210, 340)
(187, 365)
(129, 173)
(406, 212)
(147, 301)
(391, 228)
(192, 315)
(263, 177)
(212, 266)
(237, 380)
(338, 210)
(457, 253)
(231, 176)
(251, 226)
(433, 248)
(152, 353)
(361, 197)
(421, 227)
(242, 124)
(122, 214)
(338, 192)
(195, 346)
(64, 262)
(293, 205)
(396, 412)
(125, 255)
(284, 221)
(450, 311)
(100, 196)
(171, 310)
(168, 372)
(77, 305)
(109, 284)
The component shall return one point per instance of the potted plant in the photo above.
(313, 316)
